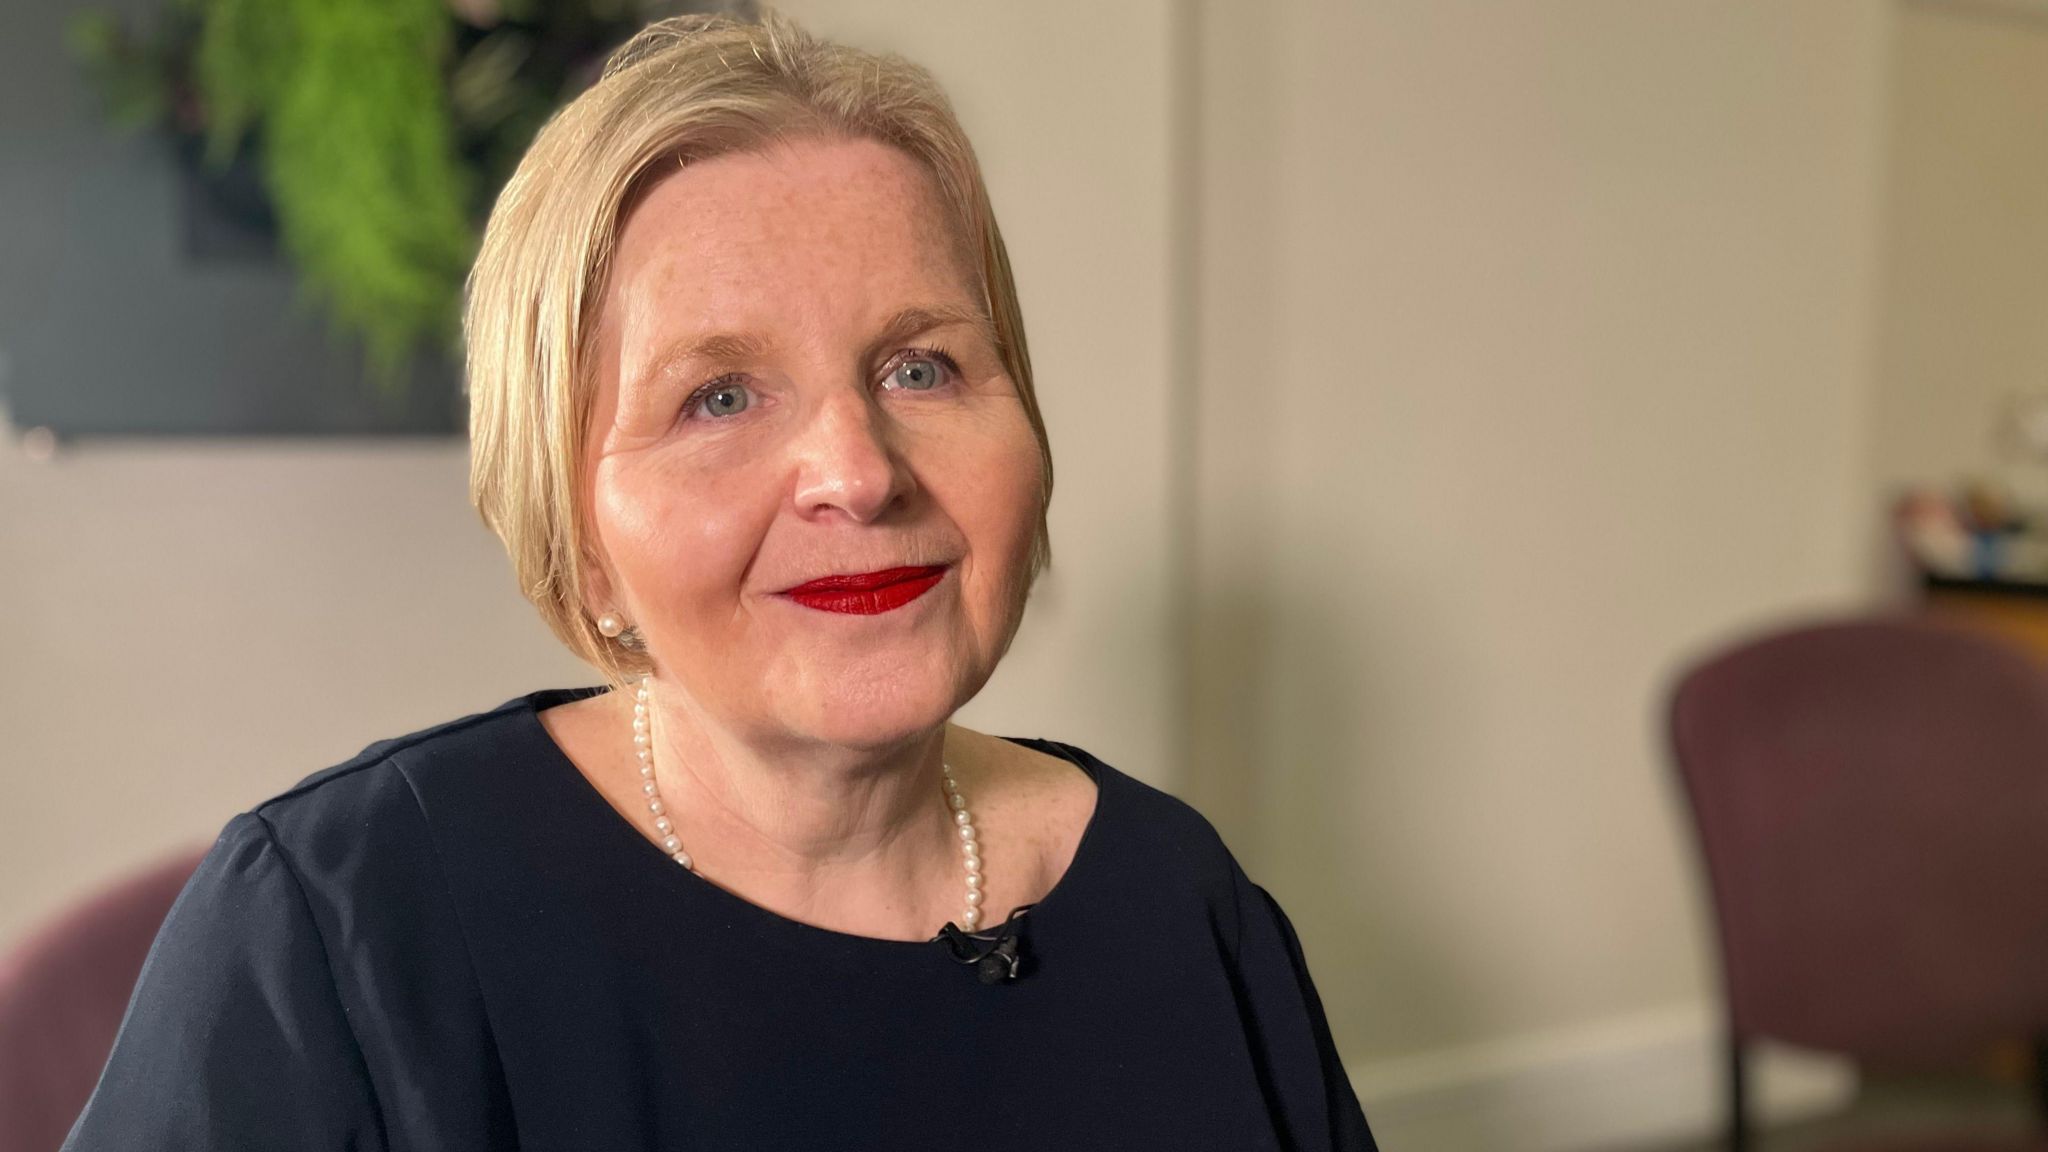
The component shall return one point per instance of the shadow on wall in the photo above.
(1279, 763)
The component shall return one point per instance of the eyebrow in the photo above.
(747, 345)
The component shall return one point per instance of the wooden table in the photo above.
(2009, 608)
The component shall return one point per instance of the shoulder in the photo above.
(1156, 832)
(365, 829)
(385, 778)
(359, 852)
(1153, 814)
(239, 978)
(322, 907)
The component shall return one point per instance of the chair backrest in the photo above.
(62, 995)
(1872, 803)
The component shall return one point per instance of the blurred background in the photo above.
(1433, 385)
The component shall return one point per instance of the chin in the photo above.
(875, 712)
(869, 731)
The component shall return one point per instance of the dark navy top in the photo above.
(453, 942)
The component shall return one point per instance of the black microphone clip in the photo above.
(999, 964)
(994, 959)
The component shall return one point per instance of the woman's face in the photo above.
(796, 381)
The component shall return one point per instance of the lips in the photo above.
(867, 593)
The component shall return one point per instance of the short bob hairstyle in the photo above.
(684, 89)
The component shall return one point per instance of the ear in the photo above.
(600, 591)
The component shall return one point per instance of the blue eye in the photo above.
(920, 373)
(716, 399)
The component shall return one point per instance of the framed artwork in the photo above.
(143, 287)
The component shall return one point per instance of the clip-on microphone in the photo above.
(994, 958)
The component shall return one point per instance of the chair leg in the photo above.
(1738, 1094)
(2041, 1078)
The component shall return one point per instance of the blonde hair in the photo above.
(682, 90)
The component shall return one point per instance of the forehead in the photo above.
(813, 234)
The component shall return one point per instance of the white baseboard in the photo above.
(1616, 1086)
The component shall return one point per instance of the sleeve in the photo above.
(235, 1037)
(1312, 1092)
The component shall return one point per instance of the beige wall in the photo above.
(1965, 287)
(1533, 346)
(1550, 368)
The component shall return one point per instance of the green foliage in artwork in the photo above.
(382, 129)
(347, 100)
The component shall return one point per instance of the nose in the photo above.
(846, 462)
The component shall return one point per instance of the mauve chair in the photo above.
(62, 995)
(1871, 798)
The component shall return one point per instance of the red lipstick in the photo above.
(867, 593)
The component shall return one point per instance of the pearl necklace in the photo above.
(643, 747)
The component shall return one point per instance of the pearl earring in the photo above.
(610, 625)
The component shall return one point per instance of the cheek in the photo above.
(1016, 497)
(996, 493)
(674, 536)
(1024, 501)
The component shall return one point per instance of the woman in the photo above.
(752, 412)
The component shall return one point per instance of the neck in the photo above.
(854, 839)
